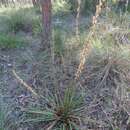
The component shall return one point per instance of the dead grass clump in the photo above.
(114, 27)
(106, 72)
(108, 65)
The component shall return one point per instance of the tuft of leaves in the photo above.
(17, 21)
(61, 112)
(25, 20)
(10, 41)
(109, 64)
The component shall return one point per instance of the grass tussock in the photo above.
(19, 21)
(11, 41)
(61, 112)
(61, 6)
(108, 63)
(26, 20)
(58, 42)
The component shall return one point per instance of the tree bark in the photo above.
(78, 18)
(34, 2)
(46, 64)
(46, 19)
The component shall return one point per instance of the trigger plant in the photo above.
(61, 112)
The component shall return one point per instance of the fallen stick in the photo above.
(24, 84)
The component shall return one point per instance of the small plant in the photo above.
(36, 26)
(10, 41)
(20, 20)
(61, 6)
(16, 21)
(61, 112)
(25, 20)
(58, 43)
(110, 64)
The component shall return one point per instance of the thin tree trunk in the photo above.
(45, 68)
(34, 2)
(46, 18)
(78, 18)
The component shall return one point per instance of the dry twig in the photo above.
(24, 84)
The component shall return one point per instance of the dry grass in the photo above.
(105, 75)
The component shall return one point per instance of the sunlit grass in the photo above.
(24, 19)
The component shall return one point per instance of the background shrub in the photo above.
(25, 20)
(10, 41)
(58, 42)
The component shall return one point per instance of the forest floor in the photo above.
(25, 61)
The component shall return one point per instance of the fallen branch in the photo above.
(24, 84)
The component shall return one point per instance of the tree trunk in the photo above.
(46, 19)
(45, 68)
(34, 2)
(78, 19)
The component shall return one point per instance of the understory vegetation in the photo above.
(62, 111)
(11, 41)
(84, 84)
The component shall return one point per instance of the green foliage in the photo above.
(71, 6)
(61, 112)
(58, 42)
(3, 24)
(10, 41)
(23, 20)
(128, 8)
(117, 129)
(61, 6)
(89, 6)
(17, 21)
(36, 26)
(110, 64)
(86, 5)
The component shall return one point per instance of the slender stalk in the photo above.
(86, 48)
(78, 18)
(24, 84)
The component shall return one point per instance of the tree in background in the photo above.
(4, 2)
(46, 18)
(35, 2)
(78, 18)
(86, 6)
(122, 5)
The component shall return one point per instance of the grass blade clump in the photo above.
(58, 43)
(62, 112)
(10, 41)
(109, 64)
